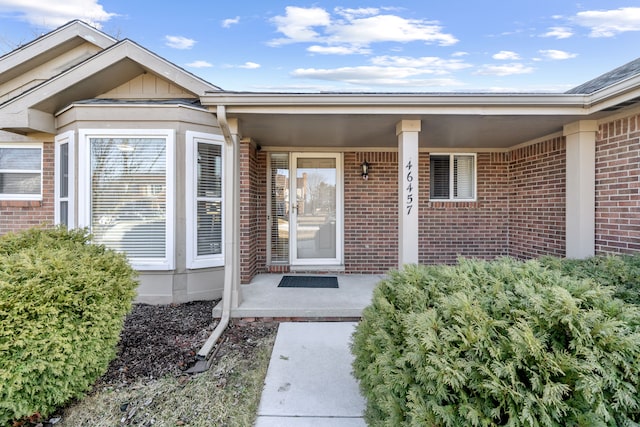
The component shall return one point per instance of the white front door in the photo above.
(316, 209)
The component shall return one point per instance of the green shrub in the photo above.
(620, 271)
(497, 343)
(62, 307)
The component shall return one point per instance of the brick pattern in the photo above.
(20, 215)
(252, 211)
(617, 186)
(476, 229)
(537, 199)
(371, 213)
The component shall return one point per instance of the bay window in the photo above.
(128, 193)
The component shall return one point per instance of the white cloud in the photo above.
(355, 28)
(506, 55)
(459, 54)
(51, 14)
(423, 65)
(199, 64)
(557, 54)
(230, 21)
(399, 71)
(503, 70)
(298, 23)
(250, 65)
(374, 76)
(558, 32)
(608, 23)
(179, 42)
(338, 50)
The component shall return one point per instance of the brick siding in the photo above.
(476, 229)
(537, 201)
(19, 215)
(371, 213)
(617, 183)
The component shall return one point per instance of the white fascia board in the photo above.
(480, 104)
(52, 40)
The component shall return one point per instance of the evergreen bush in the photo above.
(497, 343)
(620, 271)
(62, 306)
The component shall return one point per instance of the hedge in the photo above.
(62, 306)
(497, 343)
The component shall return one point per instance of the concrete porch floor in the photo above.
(263, 298)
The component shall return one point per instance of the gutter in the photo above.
(203, 358)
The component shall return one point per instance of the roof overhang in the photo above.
(449, 120)
(102, 72)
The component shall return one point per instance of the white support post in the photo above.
(407, 132)
(580, 188)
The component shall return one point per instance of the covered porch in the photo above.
(262, 298)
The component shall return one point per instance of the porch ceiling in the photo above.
(378, 131)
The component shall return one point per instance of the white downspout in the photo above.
(231, 228)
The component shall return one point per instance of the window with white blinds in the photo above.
(452, 176)
(20, 171)
(127, 197)
(205, 225)
(64, 181)
(279, 208)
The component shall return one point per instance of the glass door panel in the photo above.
(315, 209)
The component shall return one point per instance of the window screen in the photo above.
(128, 195)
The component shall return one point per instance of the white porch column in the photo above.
(232, 211)
(580, 188)
(407, 132)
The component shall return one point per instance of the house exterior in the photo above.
(205, 188)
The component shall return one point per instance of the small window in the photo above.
(205, 200)
(452, 176)
(20, 172)
(64, 180)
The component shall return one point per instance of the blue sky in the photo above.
(360, 46)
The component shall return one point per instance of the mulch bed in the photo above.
(159, 340)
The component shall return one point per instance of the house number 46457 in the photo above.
(409, 187)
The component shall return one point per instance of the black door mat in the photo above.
(308, 282)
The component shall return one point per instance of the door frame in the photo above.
(338, 260)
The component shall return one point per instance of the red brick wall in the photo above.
(252, 212)
(19, 215)
(537, 199)
(617, 184)
(470, 229)
(371, 213)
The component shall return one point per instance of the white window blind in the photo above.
(463, 177)
(209, 199)
(205, 200)
(129, 195)
(20, 172)
(452, 176)
(279, 207)
(64, 179)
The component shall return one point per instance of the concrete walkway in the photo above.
(309, 380)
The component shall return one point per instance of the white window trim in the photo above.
(65, 138)
(195, 261)
(451, 178)
(29, 197)
(84, 188)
